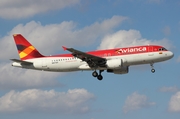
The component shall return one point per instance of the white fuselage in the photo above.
(67, 64)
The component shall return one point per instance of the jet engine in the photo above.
(114, 63)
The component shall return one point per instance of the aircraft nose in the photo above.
(171, 54)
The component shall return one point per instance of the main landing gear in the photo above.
(152, 68)
(95, 74)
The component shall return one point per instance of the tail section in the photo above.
(25, 49)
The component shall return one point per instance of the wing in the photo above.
(92, 60)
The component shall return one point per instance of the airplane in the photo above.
(117, 60)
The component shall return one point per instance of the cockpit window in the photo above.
(162, 49)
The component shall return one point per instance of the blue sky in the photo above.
(90, 25)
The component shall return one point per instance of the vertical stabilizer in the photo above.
(25, 49)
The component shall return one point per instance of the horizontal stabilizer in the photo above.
(21, 61)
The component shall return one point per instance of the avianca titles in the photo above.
(115, 61)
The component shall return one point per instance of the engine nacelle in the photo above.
(114, 63)
(121, 70)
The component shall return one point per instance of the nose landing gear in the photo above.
(152, 68)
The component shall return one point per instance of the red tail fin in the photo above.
(25, 49)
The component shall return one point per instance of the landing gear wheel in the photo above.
(99, 77)
(95, 74)
(152, 70)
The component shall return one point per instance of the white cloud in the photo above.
(15, 9)
(124, 38)
(174, 104)
(72, 101)
(50, 38)
(136, 101)
(16, 78)
(169, 89)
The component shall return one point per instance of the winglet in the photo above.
(65, 48)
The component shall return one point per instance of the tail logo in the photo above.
(23, 53)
